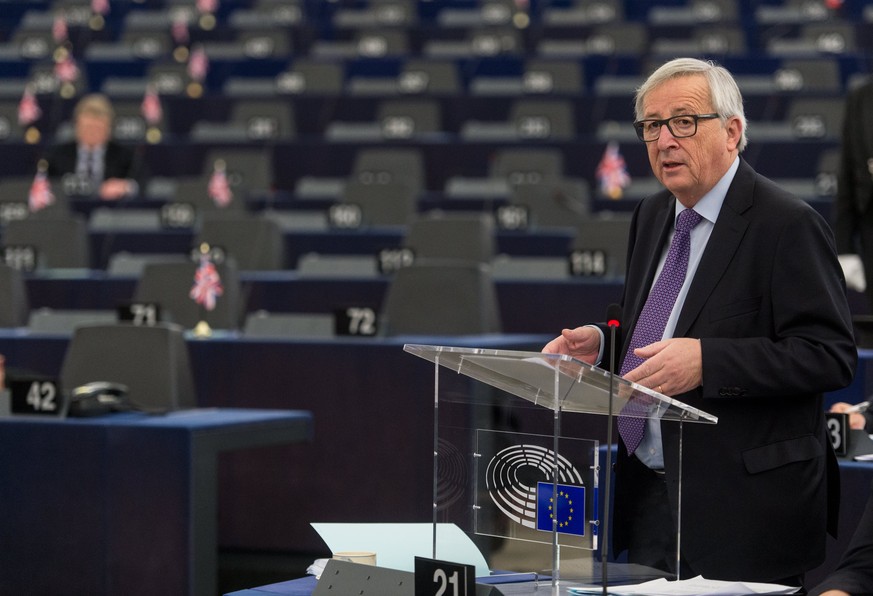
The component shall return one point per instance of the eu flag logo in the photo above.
(567, 507)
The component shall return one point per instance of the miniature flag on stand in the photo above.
(66, 69)
(198, 64)
(151, 109)
(100, 7)
(28, 108)
(59, 28)
(206, 289)
(612, 172)
(40, 195)
(219, 188)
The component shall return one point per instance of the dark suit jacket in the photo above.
(119, 161)
(768, 302)
(854, 574)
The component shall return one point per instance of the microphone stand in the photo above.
(607, 496)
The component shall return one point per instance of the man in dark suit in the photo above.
(854, 575)
(93, 163)
(853, 217)
(759, 330)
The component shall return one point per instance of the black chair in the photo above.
(169, 284)
(453, 236)
(435, 297)
(255, 243)
(554, 203)
(152, 361)
(59, 242)
(14, 304)
(604, 240)
(382, 204)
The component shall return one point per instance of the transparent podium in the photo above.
(520, 477)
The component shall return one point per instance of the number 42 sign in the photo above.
(442, 578)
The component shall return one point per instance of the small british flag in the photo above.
(198, 64)
(207, 284)
(40, 195)
(100, 7)
(179, 30)
(151, 108)
(66, 69)
(612, 172)
(28, 108)
(59, 28)
(207, 6)
(219, 188)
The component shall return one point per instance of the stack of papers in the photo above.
(691, 587)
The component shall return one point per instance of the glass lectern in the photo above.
(504, 469)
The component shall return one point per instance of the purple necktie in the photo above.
(653, 319)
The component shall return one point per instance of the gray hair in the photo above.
(723, 90)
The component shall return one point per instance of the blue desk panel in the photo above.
(125, 503)
(373, 404)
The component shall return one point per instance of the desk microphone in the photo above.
(613, 321)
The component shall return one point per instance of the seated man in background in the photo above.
(100, 166)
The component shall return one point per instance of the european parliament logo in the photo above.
(567, 507)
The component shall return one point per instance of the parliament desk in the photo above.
(124, 503)
(371, 457)
(526, 306)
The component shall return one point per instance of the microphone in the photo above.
(613, 321)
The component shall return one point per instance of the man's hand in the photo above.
(856, 419)
(672, 366)
(115, 188)
(582, 343)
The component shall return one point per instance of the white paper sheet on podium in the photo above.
(396, 545)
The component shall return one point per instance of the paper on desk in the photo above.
(397, 545)
(691, 587)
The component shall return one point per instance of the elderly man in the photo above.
(734, 303)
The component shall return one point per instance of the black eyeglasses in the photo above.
(680, 127)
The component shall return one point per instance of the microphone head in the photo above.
(613, 315)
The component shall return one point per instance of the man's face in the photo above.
(689, 167)
(92, 129)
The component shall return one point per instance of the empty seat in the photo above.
(311, 76)
(14, 303)
(15, 204)
(557, 203)
(394, 120)
(392, 204)
(249, 170)
(249, 120)
(600, 247)
(59, 242)
(433, 297)
(255, 243)
(453, 236)
(295, 325)
(390, 166)
(151, 361)
(65, 321)
(168, 285)
(508, 169)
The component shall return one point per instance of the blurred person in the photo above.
(103, 167)
(853, 216)
(744, 317)
(854, 574)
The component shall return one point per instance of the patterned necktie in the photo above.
(653, 319)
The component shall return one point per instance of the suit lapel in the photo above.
(726, 236)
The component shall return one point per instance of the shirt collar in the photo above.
(710, 205)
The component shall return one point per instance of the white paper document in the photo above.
(396, 545)
(690, 587)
